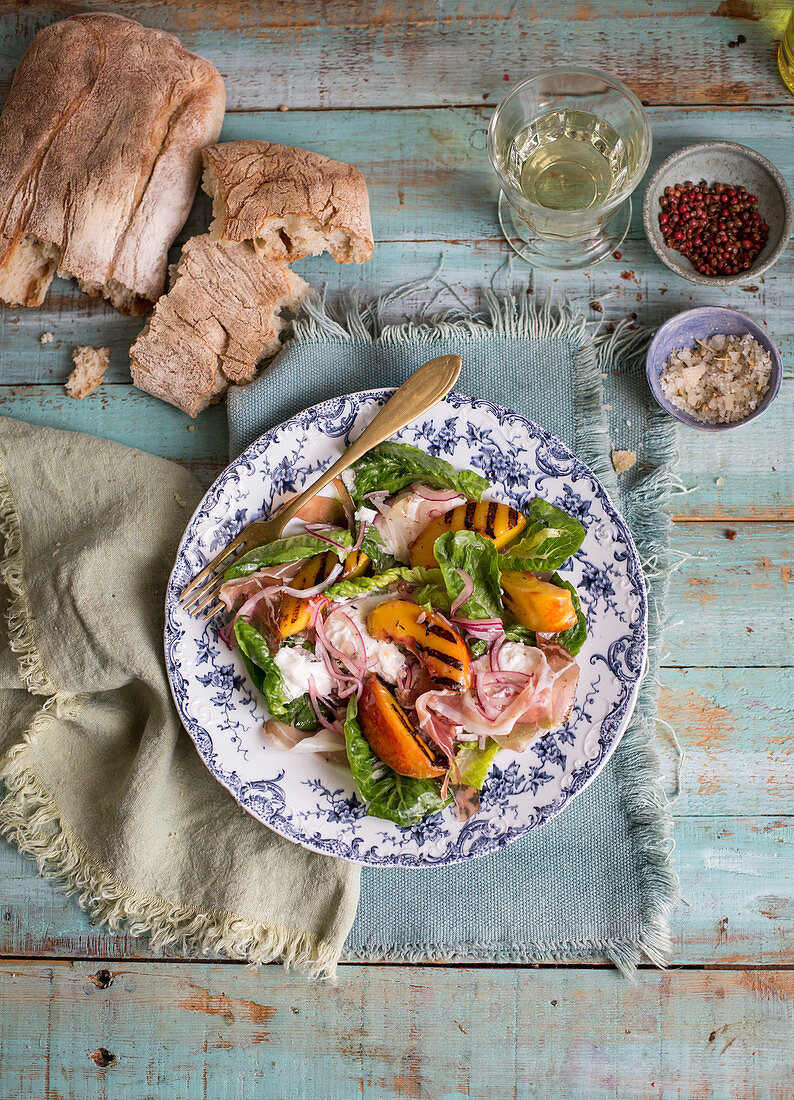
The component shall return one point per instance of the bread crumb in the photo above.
(90, 365)
(624, 460)
(283, 107)
(730, 534)
(182, 503)
(192, 427)
(45, 338)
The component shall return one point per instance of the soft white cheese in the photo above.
(365, 515)
(296, 666)
(517, 657)
(342, 634)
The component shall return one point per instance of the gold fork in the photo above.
(427, 385)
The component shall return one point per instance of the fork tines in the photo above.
(197, 594)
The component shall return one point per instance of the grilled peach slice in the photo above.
(441, 649)
(498, 522)
(538, 605)
(356, 563)
(294, 612)
(390, 733)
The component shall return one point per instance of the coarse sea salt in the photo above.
(719, 381)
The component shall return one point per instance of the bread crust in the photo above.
(214, 324)
(100, 155)
(262, 190)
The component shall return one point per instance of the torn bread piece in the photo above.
(100, 156)
(220, 317)
(90, 365)
(624, 460)
(291, 203)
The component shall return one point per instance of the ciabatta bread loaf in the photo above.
(220, 317)
(290, 202)
(100, 156)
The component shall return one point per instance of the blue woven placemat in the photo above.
(595, 882)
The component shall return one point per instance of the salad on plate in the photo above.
(411, 629)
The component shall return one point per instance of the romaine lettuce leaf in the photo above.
(575, 636)
(268, 680)
(476, 555)
(394, 797)
(361, 586)
(549, 540)
(389, 467)
(433, 595)
(375, 549)
(515, 632)
(475, 763)
(292, 548)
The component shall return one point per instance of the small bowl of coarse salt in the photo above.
(713, 368)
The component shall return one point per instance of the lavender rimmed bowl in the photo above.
(681, 331)
(721, 162)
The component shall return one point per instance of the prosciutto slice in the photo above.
(512, 705)
(233, 594)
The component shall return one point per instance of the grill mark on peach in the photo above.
(441, 631)
(490, 520)
(442, 658)
(446, 682)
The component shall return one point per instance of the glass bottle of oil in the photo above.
(785, 54)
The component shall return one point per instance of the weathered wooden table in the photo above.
(405, 91)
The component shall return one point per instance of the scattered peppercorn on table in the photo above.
(405, 92)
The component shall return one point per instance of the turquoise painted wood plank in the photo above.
(732, 602)
(308, 53)
(177, 1031)
(735, 732)
(652, 292)
(128, 416)
(733, 868)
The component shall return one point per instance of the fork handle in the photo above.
(426, 386)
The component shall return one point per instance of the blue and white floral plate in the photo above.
(315, 803)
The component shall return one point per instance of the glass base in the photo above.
(562, 254)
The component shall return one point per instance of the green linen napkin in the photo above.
(103, 786)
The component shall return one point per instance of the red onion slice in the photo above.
(466, 591)
(428, 493)
(252, 601)
(316, 589)
(315, 701)
(473, 625)
(314, 529)
(493, 654)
